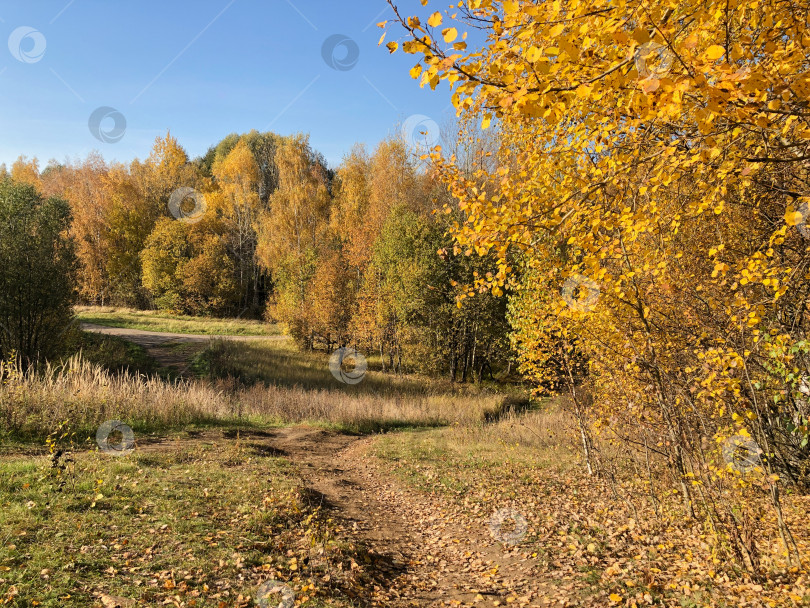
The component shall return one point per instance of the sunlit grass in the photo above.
(298, 386)
(151, 320)
(203, 522)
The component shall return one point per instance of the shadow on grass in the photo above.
(283, 366)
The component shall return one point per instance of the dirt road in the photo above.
(172, 351)
(422, 550)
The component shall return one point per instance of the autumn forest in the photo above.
(583, 312)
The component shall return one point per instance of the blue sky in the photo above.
(202, 69)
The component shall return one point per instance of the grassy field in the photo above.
(114, 354)
(202, 523)
(150, 320)
(193, 515)
(204, 511)
(261, 383)
(279, 380)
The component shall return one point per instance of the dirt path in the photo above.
(422, 551)
(419, 549)
(172, 351)
(414, 548)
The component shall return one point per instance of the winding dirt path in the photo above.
(170, 350)
(422, 551)
(419, 549)
(414, 548)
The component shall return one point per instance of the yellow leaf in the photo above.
(485, 122)
(714, 52)
(533, 54)
(415, 71)
(615, 598)
(450, 34)
(392, 46)
(435, 19)
(793, 218)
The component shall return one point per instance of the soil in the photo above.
(171, 351)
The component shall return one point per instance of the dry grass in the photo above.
(363, 412)
(295, 386)
(83, 395)
(548, 428)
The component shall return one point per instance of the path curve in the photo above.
(421, 549)
(154, 338)
(416, 549)
(159, 345)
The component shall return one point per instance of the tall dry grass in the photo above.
(32, 404)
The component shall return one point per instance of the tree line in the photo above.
(260, 226)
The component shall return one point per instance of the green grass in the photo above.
(205, 522)
(150, 320)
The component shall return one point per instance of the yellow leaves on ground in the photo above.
(793, 218)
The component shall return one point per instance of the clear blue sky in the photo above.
(202, 69)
